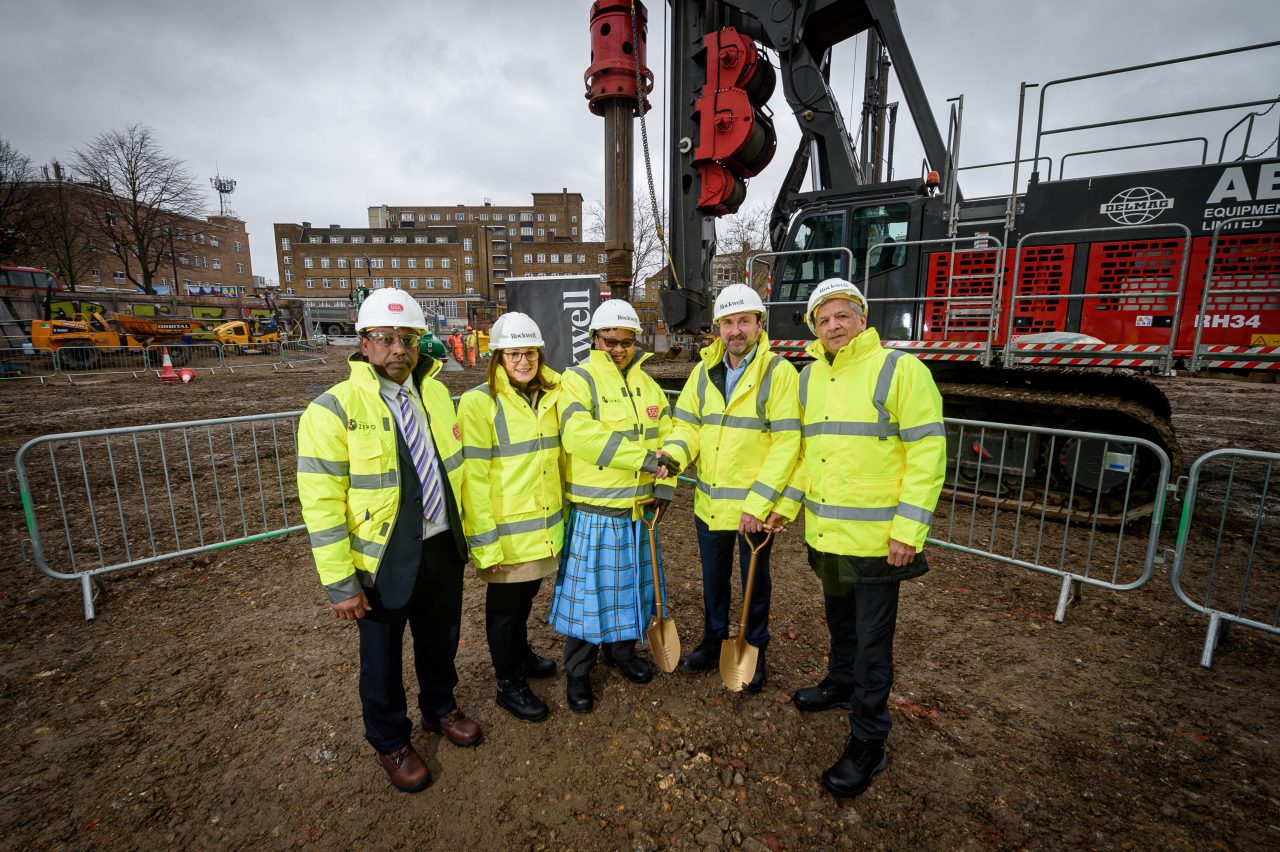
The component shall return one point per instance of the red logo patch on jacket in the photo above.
(457, 432)
(653, 412)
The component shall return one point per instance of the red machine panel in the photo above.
(1138, 269)
(1044, 271)
(1249, 262)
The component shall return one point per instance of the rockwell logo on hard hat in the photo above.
(522, 335)
(734, 303)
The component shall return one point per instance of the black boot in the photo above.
(536, 666)
(851, 775)
(762, 673)
(703, 658)
(633, 668)
(578, 692)
(824, 696)
(518, 699)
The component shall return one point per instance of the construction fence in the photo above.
(1085, 508)
(68, 363)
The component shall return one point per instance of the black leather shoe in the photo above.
(633, 669)
(703, 658)
(578, 692)
(518, 699)
(852, 773)
(762, 673)
(824, 696)
(536, 666)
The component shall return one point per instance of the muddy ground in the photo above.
(212, 703)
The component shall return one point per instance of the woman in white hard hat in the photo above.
(514, 514)
(613, 419)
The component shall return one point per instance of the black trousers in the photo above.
(862, 624)
(434, 615)
(506, 625)
(580, 655)
(715, 547)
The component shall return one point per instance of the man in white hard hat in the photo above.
(380, 482)
(872, 465)
(613, 419)
(738, 417)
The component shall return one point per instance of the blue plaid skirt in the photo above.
(604, 591)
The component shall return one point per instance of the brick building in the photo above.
(454, 259)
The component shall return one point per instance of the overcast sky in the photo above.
(320, 109)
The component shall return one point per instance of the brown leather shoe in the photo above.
(456, 727)
(405, 769)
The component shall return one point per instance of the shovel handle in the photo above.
(751, 578)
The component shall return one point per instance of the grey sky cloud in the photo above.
(321, 109)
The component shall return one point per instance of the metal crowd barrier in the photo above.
(1054, 501)
(105, 500)
(23, 363)
(303, 351)
(1227, 539)
(73, 361)
(243, 356)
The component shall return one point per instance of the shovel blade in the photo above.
(664, 643)
(737, 663)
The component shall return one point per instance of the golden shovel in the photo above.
(737, 658)
(664, 641)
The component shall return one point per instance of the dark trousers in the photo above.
(434, 615)
(862, 625)
(506, 624)
(580, 655)
(716, 549)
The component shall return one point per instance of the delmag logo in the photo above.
(1137, 205)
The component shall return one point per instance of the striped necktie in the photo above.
(428, 475)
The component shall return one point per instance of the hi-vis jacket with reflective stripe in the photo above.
(746, 450)
(611, 424)
(874, 454)
(348, 482)
(511, 460)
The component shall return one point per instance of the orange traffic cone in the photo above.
(167, 374)
(188, 375)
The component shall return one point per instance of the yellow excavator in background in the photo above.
(79, 344)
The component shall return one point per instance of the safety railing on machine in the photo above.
(1262, 295)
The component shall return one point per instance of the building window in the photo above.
(413, 283)
(119, 276)
(551, 217)
(357, 263)
(240, 268)
(238, 245)
(444, 263)
(468, 259)
(406, 217)
(428, 262)
(422, 217)
(335, 238)
(324, 263)
(217, 263)
(412, 262)
(484, 217)
(526, 232)
(573, 232)
(435, 217)
(342, 263)
(468, 276)
(395, 282)
(446, 283)
(528, 258)
(459, 217)
(555, 258)
(311, 283)
(568, 258)
(286, 258)
(421, 240)
(357, 239)
(213, 241)
(582, 258)
(285, 243)
(399, 240)
(430, 283)
(466, 244)
(542, 232)
(541, 218)
(288, 276)
(326, 283)
(442, 239)
(573, 219)
(313, 239)
(542, 258)
(599, 258)
(379, 282)
(379, 239)
(395, 263)
(376, 263)
(308, 263)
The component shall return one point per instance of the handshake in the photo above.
(667, 466)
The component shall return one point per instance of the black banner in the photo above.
(561, 305)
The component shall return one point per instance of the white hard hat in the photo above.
(514, 329)
(390, 308)
(833, 288)
(737, 299)
(615, 313)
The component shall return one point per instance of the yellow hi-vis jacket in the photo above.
(746, 450)
(611, 424)
(511, 461)
(874, 454)
(348, 481)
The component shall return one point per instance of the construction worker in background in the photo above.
(738, 417)
(613, 419)
(472, 346)
(455, 341)
(872, 465)
(515, 491)
(380, 481)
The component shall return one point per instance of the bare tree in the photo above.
(63, 234)
(742, 234)
(648, 256)
(17, 212)
(148, 200)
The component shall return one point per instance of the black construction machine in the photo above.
(1045, 306)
